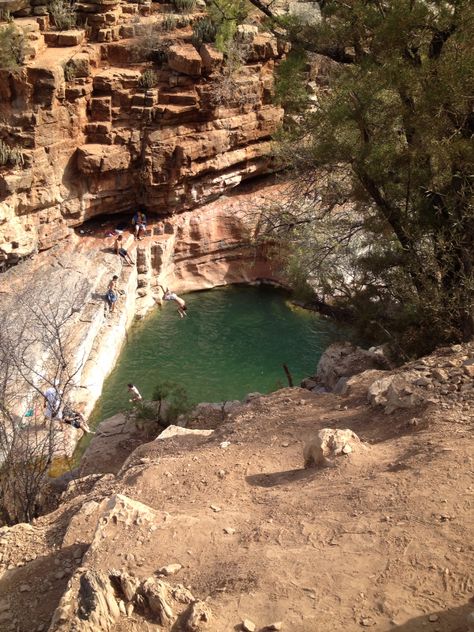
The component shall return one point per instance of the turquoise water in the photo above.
(233, 342)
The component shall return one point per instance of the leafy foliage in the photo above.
(63, 14)
(290, 89)
(226, 15)
(175, 397)
(169, 23)
(204, 32)
(184, 6)
(383, 214)
(12, 47)
(147, 80)
(12, 156)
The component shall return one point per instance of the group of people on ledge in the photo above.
(139, 222)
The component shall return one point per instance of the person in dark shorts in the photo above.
(112, 293)
(76, 419)
(120, 250)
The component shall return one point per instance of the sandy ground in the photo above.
(384, 540)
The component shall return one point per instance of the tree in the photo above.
(37, 351)
(384, 164)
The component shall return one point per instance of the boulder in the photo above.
(89, 604)
(185, 59)
(329, 443)
(198, 616)
(12, 6)
(394, 392)
(157, 594)
(211, 57)
(343, 359)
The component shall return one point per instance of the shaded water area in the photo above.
(233, 341)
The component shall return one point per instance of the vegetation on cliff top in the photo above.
(12, 47)
(382, 215)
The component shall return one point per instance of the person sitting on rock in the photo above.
(171, 296)
(133, 390)
(120, 250)
(139, 220)
(76, 419)
(112, 293)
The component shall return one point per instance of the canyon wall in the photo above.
(95, 141)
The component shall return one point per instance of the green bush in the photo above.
(10, 155)
(204, 32)
(147, 80)
(63, 14)
(70, 71)
(169, 23)
(12, 47)
(184, 6)
(176, 399)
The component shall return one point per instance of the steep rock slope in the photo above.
(96, 138)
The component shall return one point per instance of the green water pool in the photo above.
(233, 341)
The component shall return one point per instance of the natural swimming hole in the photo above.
(234, 341)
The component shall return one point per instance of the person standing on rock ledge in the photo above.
(171, 296)
(120, 250)
(112, 295)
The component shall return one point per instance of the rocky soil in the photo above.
(231, 532)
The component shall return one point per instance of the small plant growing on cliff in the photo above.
(70, 72)
(230, 88)
(150, 45)
(10, 156)
(12, 47)
(169, 23)
(184, 6)
(63, 14)
(204, 32)
(5, 15)
(147, 80)
(172, 401)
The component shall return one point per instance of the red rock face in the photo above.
(94, 142)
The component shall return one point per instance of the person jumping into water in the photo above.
(171, 296)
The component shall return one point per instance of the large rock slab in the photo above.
(177, 431)
(96, 159)
(185, 59)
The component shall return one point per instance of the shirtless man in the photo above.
(133, 390)
(171, 296)
(120, 250)
(112, 293)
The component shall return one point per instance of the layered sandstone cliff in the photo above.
(95, 141)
